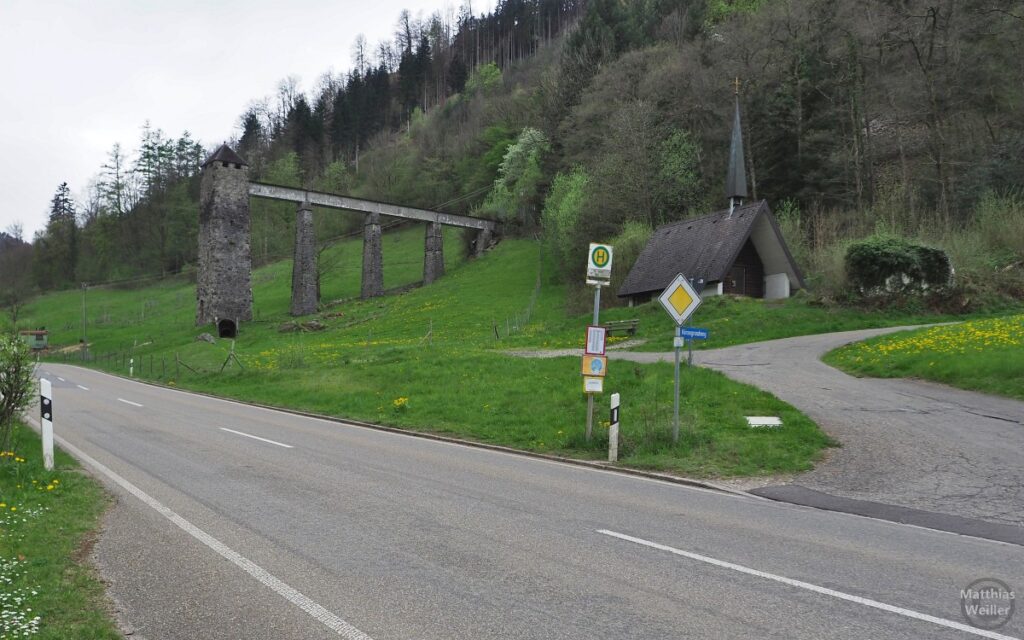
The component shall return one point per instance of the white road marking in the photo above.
(83, 388)
(61, 379)
(249, 435)
(951, 624)
(319, 613)
(281, 412)
(134, 404)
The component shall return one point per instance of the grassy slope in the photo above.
(48, 532)
(376, 352)
(984, 355)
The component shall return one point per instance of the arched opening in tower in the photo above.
(227, 328)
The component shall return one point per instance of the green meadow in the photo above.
(433, 358)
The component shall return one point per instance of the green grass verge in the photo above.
(537, 405)
(46, 523)
(982, 355)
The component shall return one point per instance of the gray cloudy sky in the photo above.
(79, 76)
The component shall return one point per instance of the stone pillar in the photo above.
(304, 289)
(484, 237)
(433, 254)
(373, 257)
(224, 277)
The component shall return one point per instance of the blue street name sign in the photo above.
(691, 333)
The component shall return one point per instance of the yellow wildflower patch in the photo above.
(974, 336)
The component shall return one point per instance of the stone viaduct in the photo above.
(224, 280)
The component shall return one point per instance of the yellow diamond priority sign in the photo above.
(679, 299)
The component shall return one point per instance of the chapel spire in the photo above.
(736, 178)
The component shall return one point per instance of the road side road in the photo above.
(904, 442)
(238, 522)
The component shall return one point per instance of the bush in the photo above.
(17, 384)
(627, 246)
(885, 264)
(561, 218)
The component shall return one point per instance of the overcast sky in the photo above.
(80, 76)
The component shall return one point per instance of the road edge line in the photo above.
(316, 611)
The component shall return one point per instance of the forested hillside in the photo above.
(598, 120)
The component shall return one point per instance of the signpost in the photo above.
(599, 274)
(596, 366)
(680, 301)
(689, 334)
(595, 341)
(599, 264)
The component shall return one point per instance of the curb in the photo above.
(602, 466)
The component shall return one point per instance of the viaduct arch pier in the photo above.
(224, 289)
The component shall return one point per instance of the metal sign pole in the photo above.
(675, 411)
(590, 396)
(689, 347)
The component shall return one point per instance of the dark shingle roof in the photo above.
(224, 153)
(702, 247)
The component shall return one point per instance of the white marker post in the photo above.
(46, 421)
(613, 431)
(131, 368)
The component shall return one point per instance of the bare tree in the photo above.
(361, 54)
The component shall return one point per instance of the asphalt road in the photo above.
(905, 442)
(322, 530)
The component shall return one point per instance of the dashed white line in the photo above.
(316, 611)
(61, 379)
(951, 624)
(134, 404)
(83, 388)
(249, 435)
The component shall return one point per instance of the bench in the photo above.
(622, 326)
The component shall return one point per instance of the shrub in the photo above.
(561, 217)
(519, 179)
(17, 384)
(884, 264)
(627, 246)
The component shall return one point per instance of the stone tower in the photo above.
(224, 281)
